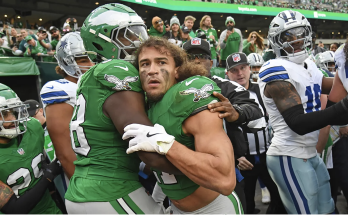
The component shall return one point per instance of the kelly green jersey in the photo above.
(104, 171)
(21, 165)
(208, 33)
(181, 101)
(232, 44)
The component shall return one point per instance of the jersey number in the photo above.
(25, 174)
(165, 178)
(311, 98)
(78, 136)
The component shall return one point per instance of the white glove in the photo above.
(148, 138)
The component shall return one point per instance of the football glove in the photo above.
(52, 169)
(148, 138)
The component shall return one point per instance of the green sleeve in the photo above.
(54, 44)
(246, 46)
(118, 75)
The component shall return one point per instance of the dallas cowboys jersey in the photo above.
(307, 83)
(58, 91)
(342, 67)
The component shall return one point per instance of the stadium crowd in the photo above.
(278, 117)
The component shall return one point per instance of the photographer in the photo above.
(56, 36)
(175, 34)
(42, 30)
(231, 40)
(69, 23)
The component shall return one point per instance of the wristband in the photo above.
(143, 175)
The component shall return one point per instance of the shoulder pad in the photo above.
(118, 75)
(194, 94)
(54, 92)
(273, 70)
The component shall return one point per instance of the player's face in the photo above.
(157, 72)
(256, 69)
(84, 62)
(8, 115)
(240, 74)
(295, 38)
(189, 24)
(198, 57)
(331, 66)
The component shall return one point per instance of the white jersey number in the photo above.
(78, 137)
(25, 174)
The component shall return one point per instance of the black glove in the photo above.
(52, 169)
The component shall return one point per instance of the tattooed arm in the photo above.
(5, 194)
(290, 106)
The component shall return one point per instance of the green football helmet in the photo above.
(12, 112)
(113, 31)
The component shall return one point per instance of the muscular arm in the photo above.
(58, 117)
(211, 165)
(127, 107)
(337, 92)
(290, 106)
(326, 85)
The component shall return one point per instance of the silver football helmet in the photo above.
(12, 113)
(290, 31)
(69, 48)
(255, 59)
(326, 60)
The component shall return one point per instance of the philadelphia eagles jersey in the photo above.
(58, 91)
(181, 101)
(342, 66)
(21, 165)
(103, 170)
(307, 80)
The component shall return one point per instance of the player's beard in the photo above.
(154, 97)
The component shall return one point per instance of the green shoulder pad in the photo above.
(118, 75)
(194, 94)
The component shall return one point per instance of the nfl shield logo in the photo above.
(196, 41)
(236, 57)
(21, 151)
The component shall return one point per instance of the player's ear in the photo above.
(176, 71)
(211, 63)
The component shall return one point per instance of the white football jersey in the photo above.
(308, 83)
(58, 91)
(342, 68)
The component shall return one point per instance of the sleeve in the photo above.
(55, 92)
(193, 95)
(271, 71)
(53, 44)
(216, 38)
(240, 146)
(118, 75)
(246, 46)
(237, 94)
(21, 46)
(241, 41)
(26, 54)
(222, 37)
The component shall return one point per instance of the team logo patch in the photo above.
(121, 84)
(199, 93)
(21, 151)
(196, 41)
(236, 58)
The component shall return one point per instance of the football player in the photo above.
(255, 62)
(109, 97)
(326, 61)
(291, 86)
(22, 167)
(59, 97)
(197, 144)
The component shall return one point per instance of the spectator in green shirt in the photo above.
(189, 22)
(210, 32)
(254, 44)
(34, 48)
(231, 41)
(157, 29)
(56, 36)
(23, 45)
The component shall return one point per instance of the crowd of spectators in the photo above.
(40, 45)
(340, 6)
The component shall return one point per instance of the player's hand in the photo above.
(343, 131)
(148, 138)
(224, 107)
(244, 164)
(52, 169)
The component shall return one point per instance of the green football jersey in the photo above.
(208, 33)
(21, 165)
(103, 170)
(181, 101)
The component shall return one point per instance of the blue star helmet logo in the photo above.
(63, 43)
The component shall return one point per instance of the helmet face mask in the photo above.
(290, 36)
(326, 61)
